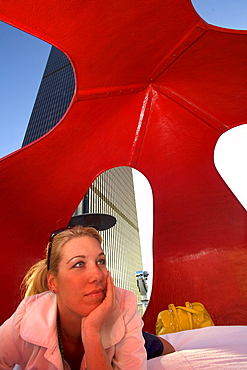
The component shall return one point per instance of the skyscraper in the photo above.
(53, 98)
(111, 193)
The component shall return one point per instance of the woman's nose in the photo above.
(95, 273)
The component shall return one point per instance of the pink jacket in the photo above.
(29, 337)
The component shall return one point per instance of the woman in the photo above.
(73, 316)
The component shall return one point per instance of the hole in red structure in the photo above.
(37, 86)
(126, 194)
(225, 13)
(230, 160)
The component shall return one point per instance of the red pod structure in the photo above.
(156, 86)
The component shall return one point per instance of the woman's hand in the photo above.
(96, 356)
(95, 320)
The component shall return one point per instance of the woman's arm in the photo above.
(9, 351)
(130, 351)
(95, 354)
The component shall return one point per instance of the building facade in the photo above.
(54, 96)
(111, 193)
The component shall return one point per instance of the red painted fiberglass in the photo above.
(156, 86)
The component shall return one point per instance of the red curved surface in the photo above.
(156, 86)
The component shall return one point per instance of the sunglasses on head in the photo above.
(52, 236)
(58, 231)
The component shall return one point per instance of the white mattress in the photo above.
(214, 347)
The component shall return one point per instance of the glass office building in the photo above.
(111, 193)
(54, 96)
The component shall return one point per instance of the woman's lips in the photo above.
(95, 293)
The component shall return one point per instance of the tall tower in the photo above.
(53, 98)
(111, 193)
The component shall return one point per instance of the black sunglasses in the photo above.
(98, 221)
(52, 236)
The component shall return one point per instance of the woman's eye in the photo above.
(102, 262)
(79, 264)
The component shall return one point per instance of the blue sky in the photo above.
(23, 59)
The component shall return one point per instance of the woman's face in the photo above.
(81, 281)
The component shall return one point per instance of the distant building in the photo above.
(111, 193)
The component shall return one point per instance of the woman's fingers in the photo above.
(101, 313)
(110, 293)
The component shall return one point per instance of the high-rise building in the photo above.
(111, 193)
(53, 98)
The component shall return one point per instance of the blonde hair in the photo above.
(35, 281)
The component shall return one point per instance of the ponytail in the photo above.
(35, 281)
